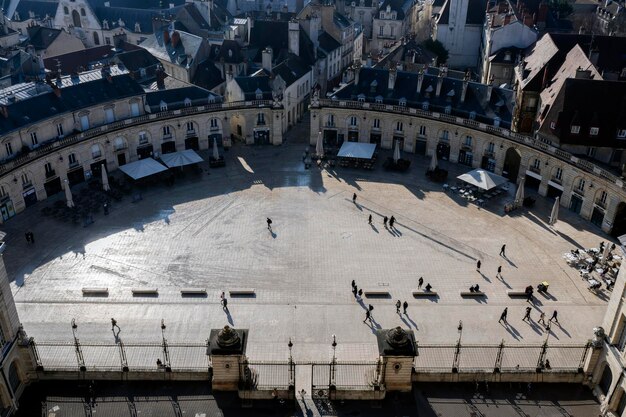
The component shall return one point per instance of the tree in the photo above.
(438, 49)
(562, 7)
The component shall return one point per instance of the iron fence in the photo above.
(504, 358)
(267, 375)
(347, 375)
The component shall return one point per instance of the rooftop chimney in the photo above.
(267, 59)
(439, 82)
(166, 37)
(583, 74)
(294, 37)
(357, 70)
(392, 78)
(465, 85)
(420, 80)
(175, 39)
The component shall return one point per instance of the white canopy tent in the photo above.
(357, 150)
(142, 168)
(482, 179)
(179, 159)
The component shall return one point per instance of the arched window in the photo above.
(119, 144)
(95, 151)
(14, 377)
(66, 11)
(82, 12)
(76, 19)
(468, 140)
(213, 124)
(96, 38)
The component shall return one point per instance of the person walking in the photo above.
(527, 315)
(370, 307)
(368, 316)
(353, 284)
(32, 237)
(499, 274)
(369, 219)
(385, 221)
(529, 295)
(420, 282)
(361, 293)
(225, 304)
(398, 305)
(222, 297)
(269, 224)
(554, 317)
(503, 251)
(503, 315)
(478, 265)
(405, 306)
(27, 236)
(354, 291)
(114, 324)
(392, 221)
(542, 318)
(354, 198)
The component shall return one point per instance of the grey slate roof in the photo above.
(592, 103)
(181, 54)
(40, 9)
(291, 69)
(41, 37)
(137, 4)
(72, 98)
(328, 43)
(373, 82)
(130, 16)
(250, 85)
(207, 75)
(175, 98)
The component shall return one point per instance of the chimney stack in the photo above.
(465, 85)
(175, 39)
(439, 82)
(357, 70)
(489, 89)
(166, 37)
(393, 73)
(583, 74)
(420, 80)
(267, 59)
(294, 37)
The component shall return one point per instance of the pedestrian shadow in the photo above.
(397, 231)
(564, 331)
(410, 320)
(228, 316)
(535, 302)
(536, 328)
(510, 262)
(273, 234)
(485, 277)
(357, 205)
(374, 228)
(392, 232)
(513, 331)
(551, 332)
(548, 296)
(506, 284)
(361, 303)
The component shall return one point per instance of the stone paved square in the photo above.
(210, 232)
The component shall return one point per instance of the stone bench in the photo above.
(145, 291)
(472, 294)
(424, 293)
(516, 293)
(95, 291)
(376, 293)
(193, 291)
(242, 292)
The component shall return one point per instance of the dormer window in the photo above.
(496, 122)
(163, 105)
(575, 129)
(403, 102)
(187, 102)
(379, 99)
(361, 97)
(373, 86)
(425, 106)
(448, 109)
(259, 94)
(211, 99)
(137, 27)
(105, 24)
(594, 131)
(621, 133)
(472, 115)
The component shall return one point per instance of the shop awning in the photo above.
(357, 150)
(482, 179)
(142, 168)
(179, 159)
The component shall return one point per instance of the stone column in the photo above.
(227, 348)
(396, 348)
(597, 345)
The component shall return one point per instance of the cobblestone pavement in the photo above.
(209, 231)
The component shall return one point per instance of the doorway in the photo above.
(443, 151)
(575, 204)
(121, 159)
(512, 161)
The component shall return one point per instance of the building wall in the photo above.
(63, 44)
(482, 136)
(462, 43)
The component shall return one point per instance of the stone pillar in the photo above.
(396, 348)
(277, 116)
(597, 345)
(227, 348)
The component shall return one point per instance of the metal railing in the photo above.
(57, 144)
(502, 358)
(539, 143)
(347, 375)
(267, 375)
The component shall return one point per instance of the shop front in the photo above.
(168, 147)
(261, 136)
(576, 203)
(76, 175)
(353, 136)
(443, 151)
(143, 152)
(331, 138)
(30, 197)
(533, 180)
(6, 208)
(420, 146)
(488, 164)
(376, 138)
(466, 157)
(53, 186)
(193, 143)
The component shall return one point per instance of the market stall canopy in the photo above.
(142, 168)
(357, 150)
(482, 179)
(179, 159)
